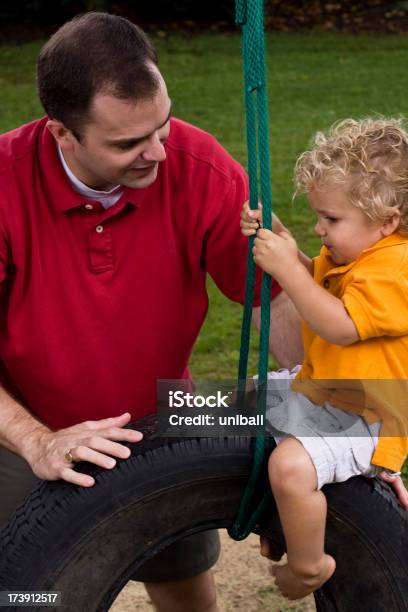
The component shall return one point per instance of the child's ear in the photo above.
(391, 225)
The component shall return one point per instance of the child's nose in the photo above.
(319, 229)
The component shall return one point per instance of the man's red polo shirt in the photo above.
(96, 304)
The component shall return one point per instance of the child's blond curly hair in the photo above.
(368, 159)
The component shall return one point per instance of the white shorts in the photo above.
(340, 444)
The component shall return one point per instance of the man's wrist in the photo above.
(31, 440)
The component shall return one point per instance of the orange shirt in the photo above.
(370, 376)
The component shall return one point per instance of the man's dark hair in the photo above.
(94, 53)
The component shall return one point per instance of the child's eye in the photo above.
(332, 219)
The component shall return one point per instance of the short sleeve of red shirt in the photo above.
(220, 188)
(4, 252)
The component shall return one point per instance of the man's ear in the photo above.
(390, 225)
(62, 135)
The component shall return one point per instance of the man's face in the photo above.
(123, 143)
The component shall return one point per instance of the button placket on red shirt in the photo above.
(100, 239)
(100, 244)
(100, 248)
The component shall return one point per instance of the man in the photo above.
(111, 214)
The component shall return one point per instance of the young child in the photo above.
(341, 417)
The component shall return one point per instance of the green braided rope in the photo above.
(249, 15)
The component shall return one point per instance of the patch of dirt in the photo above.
(243, 584)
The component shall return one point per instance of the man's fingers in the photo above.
(118, 421)
(251, 213)
(113, 426)
(84, 453)
(106, 442)
(108, 447)
(120, 435)
(99, 451)
(77, 478)
(251, 220)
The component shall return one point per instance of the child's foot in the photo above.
(295, 586)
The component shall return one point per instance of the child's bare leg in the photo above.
(302, 511)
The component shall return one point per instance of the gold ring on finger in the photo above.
(68, 456)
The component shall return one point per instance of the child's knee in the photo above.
(290, 467)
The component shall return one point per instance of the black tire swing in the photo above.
(87, 543)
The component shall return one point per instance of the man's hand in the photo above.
(276, 254)
(397, 484)
(93, 441)
(251, 220)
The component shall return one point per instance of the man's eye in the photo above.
(126, 146)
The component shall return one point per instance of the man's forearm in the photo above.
(285, 339)
(17, 425)
(323, 312)
(46, 451)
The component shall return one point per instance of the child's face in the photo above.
(344, 229)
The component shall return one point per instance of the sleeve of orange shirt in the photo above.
(377, 301)
(390, 452)
(377, 297)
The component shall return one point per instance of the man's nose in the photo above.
(154, 151)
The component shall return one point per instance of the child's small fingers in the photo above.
(265, 234)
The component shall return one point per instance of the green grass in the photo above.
(314, 80)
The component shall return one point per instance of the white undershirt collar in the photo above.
(106, 198)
